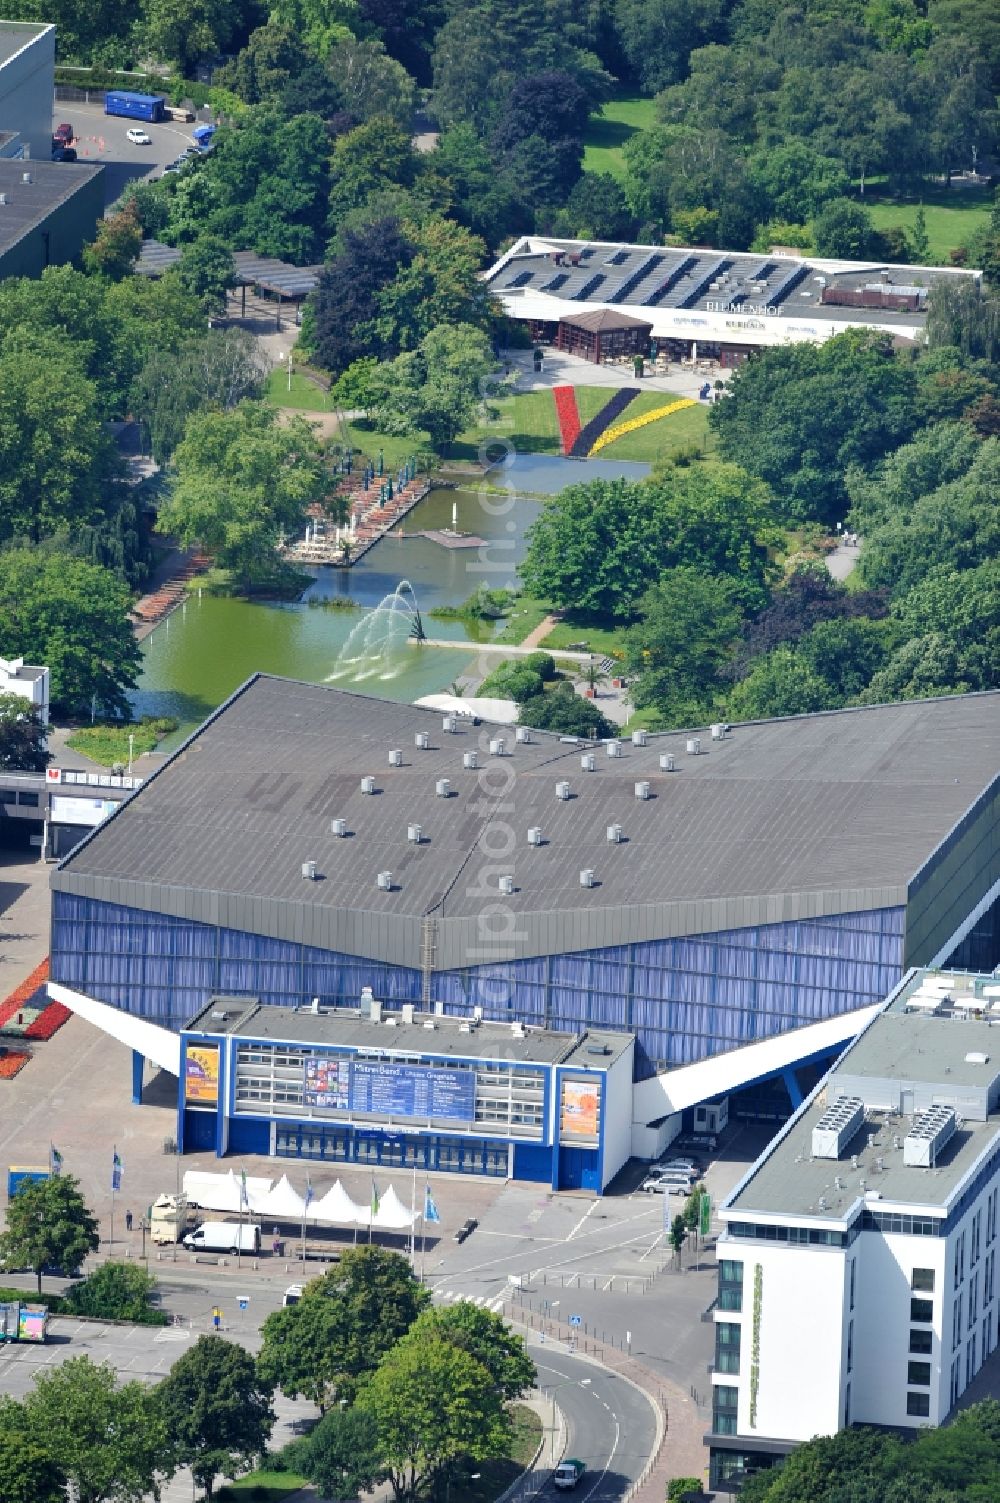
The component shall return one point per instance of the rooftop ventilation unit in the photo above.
(639, 738)
(470, 759)
(522, 734)
(929, 1133)
(442, 788)
(406, 1012)
(668, 762)
(588, 762)
(414, 834)
(367, 998)
(376, 1011)
(693, 746)
(614, 748)
(615, 834)
(421, 741)
(517, 1030)
(506, 885)
(586, 877)
(719, 731)
(498, 747)
(429, 1023)
(642, 790)
(367, 785)
(836, 1127)
(396, 758)
(976, 1058)
(448, 723)
(3, 199)
(309, 870)
(26, 177)
(534, 836)
(384, 880)
(562, 790)
(338, 827)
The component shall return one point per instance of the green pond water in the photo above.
(198, 656)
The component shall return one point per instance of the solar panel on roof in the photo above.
(554, 283)
(703, 283)
(589, 287)
(679, 272)
(787, 285)
(632, 281)
(522, 279)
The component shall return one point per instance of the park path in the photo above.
(535, 636)
(843, 560)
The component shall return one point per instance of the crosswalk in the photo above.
(493, 1303)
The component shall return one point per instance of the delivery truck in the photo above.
(135, 106)
(170, 1217)
(223, 1236)
(23, 1322)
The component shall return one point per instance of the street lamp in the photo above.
(131, 748)
(569, 1383)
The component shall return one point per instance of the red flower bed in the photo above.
(45, 1025)
(11, 1063)
(24, 995)
(568, 415)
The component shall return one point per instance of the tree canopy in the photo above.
(216, 1410)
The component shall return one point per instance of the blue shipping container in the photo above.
(135, 106)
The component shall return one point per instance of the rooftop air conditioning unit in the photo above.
(414, 834)
(367, 785)
(562, 790)
(693, 746)
(421, 741)
(26, 177)
(534, 836)
(588, 762)
(338, 827)
(470, 759)
(836, 1127)
(384, 880)
(614, 748)
(442, 788)
(517, 1030)
(506, 885)
(668, 762)
(586, 877)
(395, 758)
(929, 1133)
(642, 790)
(522, 734)
(614, 834)
(309, 870)
(406, 1012)
(639, 738)
(448, 723)
(498, 747)
(718, 731)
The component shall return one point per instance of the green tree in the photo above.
(597, 209)
(109, 1441)
(782, 683)
(22, 736)
(659, 35)
(48, 1226)
(432, 1403)
(117, 1291)
(327, 1345)
(28, 1473)
(488, 1338)
(242, 479)
(919, 239)
(182, 31)
(56, 456)
(73, 616)
(274, 54)
(688, 622)
(678, 1237)
(797, 180)
(115, 250)
(206, 270)
(438, 285)
(371, 83)
(437, 388)
(356, 388)
(843, 229)
(341, 1456)
(215, 370)
(565, 713)
(216, 1409)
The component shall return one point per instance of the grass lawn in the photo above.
(604, 640)
(659, 440)
(952, 215)
(304, 396)
(364, 436)
(262, 1487)
(108, 744)
(526, 615)
(610, 127)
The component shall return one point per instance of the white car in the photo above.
(138, 137)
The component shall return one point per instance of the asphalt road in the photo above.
(609, 1424)
(101, 141)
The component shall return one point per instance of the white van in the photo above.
(223, 1236)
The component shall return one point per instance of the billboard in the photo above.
(390, 1090)
(68, 810)
(580, 1109)
(201, 1074)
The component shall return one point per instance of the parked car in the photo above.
(568, 1473)
(688, 1166)
(63, 153)
(138, 136)
(666, 1184)
(64, 133)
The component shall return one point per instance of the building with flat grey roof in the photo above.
(857, 1261)
(27, 79)
(48, 212)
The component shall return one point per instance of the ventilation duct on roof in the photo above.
(614, 748)
(522, 734)
(338, 827)
(562, 790)
(588, 762)
(642, 790)
(837, 1126)
(421, 741)
(384, 880)
(470, 759)
(396, 758)
(639, 738)
(534, 836)
(929, 1133)
(367, 785)
(668, 762)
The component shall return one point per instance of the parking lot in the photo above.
(101, 140)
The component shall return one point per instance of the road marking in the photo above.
(589, 1212)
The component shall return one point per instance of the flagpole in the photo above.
(413, 1218)
(243, 1200)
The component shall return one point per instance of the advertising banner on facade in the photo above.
(386, 1088)
(201, 1074)
(580, 1108)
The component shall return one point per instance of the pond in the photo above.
(207, 648)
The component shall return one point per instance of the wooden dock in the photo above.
(373, 522)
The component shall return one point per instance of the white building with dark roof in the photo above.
(857, 1262)
(708, 304)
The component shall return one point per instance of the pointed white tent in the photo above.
(392, 1215)
(335, 1208)
(221, 1192)
(282, 1202)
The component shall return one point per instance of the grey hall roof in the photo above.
(782, 819)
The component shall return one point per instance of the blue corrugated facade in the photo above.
(685, 998)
